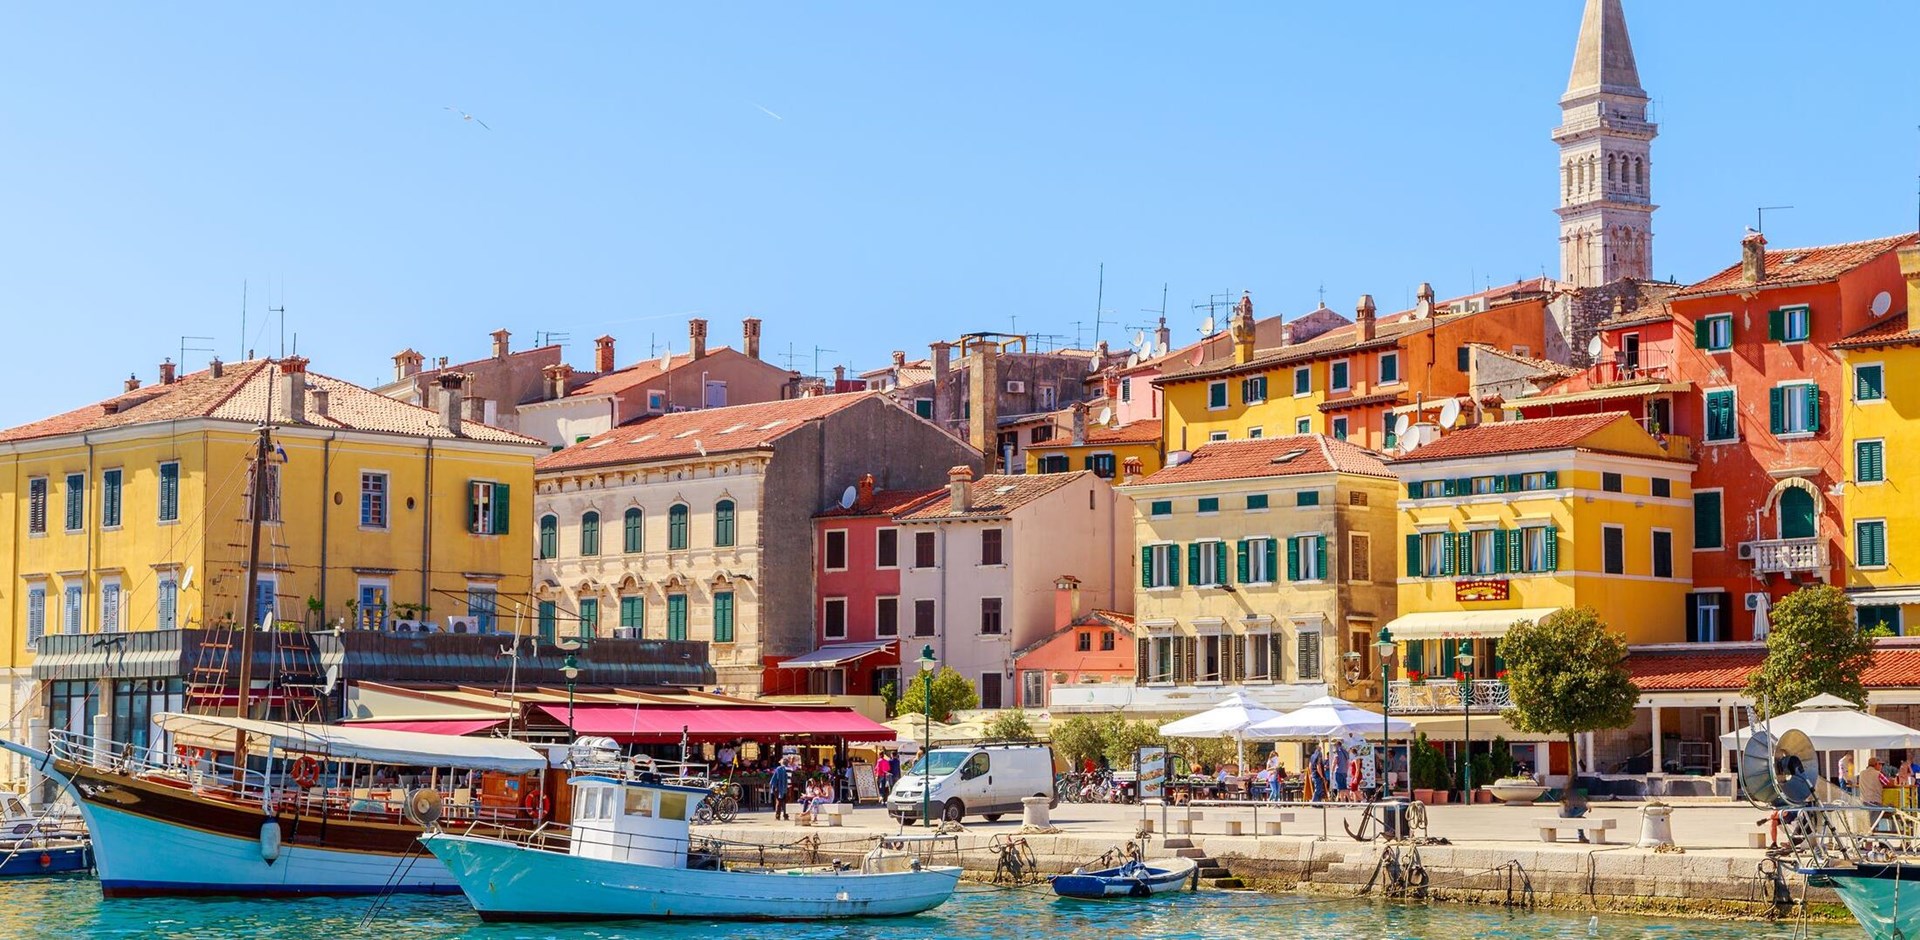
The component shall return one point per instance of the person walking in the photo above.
(1872, 790)
(782, 777)
(1338, 767)
(1317, 774)
(882, 773)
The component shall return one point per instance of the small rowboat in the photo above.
(1132, 879)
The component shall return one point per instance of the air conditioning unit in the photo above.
(406, 626)
(1756, 600)
(1745, 551)
(1016, 387)
(463, 625)
(626, 633)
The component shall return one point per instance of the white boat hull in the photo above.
(1885, 899)
(508, 882)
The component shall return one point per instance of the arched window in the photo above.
(1566, 177)
(1610, 172)
(590, 533)
(723, 523)
(677, 528)
(631, 541)
(549, 536)
(1639, 173)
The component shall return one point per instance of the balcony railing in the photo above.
(1788, 556)
(1443, 695)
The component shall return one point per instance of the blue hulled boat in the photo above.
(1133, 879)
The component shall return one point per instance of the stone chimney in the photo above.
(500, 348)
(1363, 318)
(1423, 301)
(697, 337)
(899, 358)
(1162, 337)
(863, 492)
(942, 354)
(1079, 423)
(750, 336)
(476, 409)
(1753, 257)
(983, 402)
(1101, 348)
(556, 377)
(1242, 328)
(406, 364)
(166, 371)
(133, 382)
(1066, 599)
(450, 410)
(960, 489)
(1286, 334)
(216, 368)
(293, 388)
(1131, 470)
(318, 400)
(603, 354)
(839, 377)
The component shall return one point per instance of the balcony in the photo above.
(1441, 696)
(1787, 556)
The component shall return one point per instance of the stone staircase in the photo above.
(1212, 873)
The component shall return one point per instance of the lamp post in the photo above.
(1384, 646)
(1465, 659)
(570, 667)
(926, 747)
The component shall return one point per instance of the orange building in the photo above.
(1091, 648)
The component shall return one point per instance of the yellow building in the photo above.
(1263, 564)
(131, 515)
(1069, 441)
(1881, 512)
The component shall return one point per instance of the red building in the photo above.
(1739, 373)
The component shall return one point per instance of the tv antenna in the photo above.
(1760, 216)
(184, 348)
(282, 311)
(1215, 302)
(816, 358)
(550, 338)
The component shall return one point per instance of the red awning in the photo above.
(663, 724)
(452, 726)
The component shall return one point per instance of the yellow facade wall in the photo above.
(1894, 421)
(1148, 454)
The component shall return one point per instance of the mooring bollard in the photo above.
(1656, 825)
(1034, 812)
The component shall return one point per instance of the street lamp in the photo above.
(926, 747)
(1465, 659)
(570, 667)
(1384, 646)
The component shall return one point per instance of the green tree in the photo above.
(1125, 737)
(1078, 738)
(1813, 647)
(951, 693)
(1010, 725)
(1211, 752)
(1567, 674)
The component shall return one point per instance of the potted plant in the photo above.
(1428, 768)
(1482, 765)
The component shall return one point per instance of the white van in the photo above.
(987, 780)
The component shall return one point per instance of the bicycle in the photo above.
(720, 805)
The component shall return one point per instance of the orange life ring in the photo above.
(535, 803)
(180, 751)
(306, 771)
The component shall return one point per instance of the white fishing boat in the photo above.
(628, 854)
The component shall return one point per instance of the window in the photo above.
(1258, 564)
(266, 602)
(1389, 368)
(1610, 482)
(487, 507)
(1549, 480)
(1303, 426)
(1790, 324)
(1259, 656)
(549, 615)
(1714, 333)
(1704, 616)
(169, 494)
(1339, 426)
(633, 614)
(549, 537)
(77, 501)
(1307, 666)
(1461, 360)
(1254, 434)
(1869, 383)
(723, 523)
(1483, 560)
(990, 547)
(1083, 641)
(1307, 558)
(677, 527)
(1033, 688)
(1307, 498)
(1662, 553)
(1209, 660)
(886, 548)
(886, 616)
(37, 506)
(1256, 501)
(1215, 437)
(1208, 504)
(989, 616)
(1482, 485)
(482, 607)
(589, 616)
(1661, 487)
(1359, 557)
(1209, 563)
(590, 533)
(1106, 641)
(1102, 465)
(923, 407)
(37, 613)
(1877, 617)
(373, 605)
(1613, 549)
(1160, 508)
(1430, 554)
(1870, 543)
(1337, 376)
(1869, 461)
(833, 618)
(1048, 397)
(1706, 519)
(1794, 408)
(1040, 434)
(923, 621)
(373, 500)
(836, 550)
(989, 698)
(1539, 548)
(110, 607)
(1427, 489)
(923, 550)
(1126, 389)
(676, 616)
(1302, 380)
(1216, 395)
(110, 499)
(1253, 389)
(723, 616)
(632, 531)
(75, 610)
(1720, 416)
(1160, 566)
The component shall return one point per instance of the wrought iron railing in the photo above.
(1444, 695)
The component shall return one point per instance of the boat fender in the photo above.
(45, 860)
(1139, 890)
(270, 841)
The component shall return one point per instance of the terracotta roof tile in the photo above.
(685, 434)
(884, 503)
(1710, 667)
(993, 496)
(1896, 330)
(1791, 266)
(1144, 431)
(1120, 622)
(1295, 455)
(1348, 404)
(619, 380)
(1515, 437)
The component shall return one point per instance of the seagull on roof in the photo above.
(702, 448)
(464, 116)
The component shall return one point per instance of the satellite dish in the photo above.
(186, 580)
(1401, 424)
(1593, 347)
(1140, 339)
(1106, 416)
(666, 360)
(1206, 326)
(1882, 302)
(1093, 363)
(847, 497)
(1133, 359)
(1449, 412)
(423, 807)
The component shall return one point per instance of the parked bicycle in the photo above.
(720, 805)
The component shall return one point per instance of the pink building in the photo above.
(1087, 647)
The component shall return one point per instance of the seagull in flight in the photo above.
(764, 109)
(464, 116)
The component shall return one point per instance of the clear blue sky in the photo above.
(935, 169)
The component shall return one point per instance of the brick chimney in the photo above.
(1423, 301)
(318, 401)
(406, 364)
(450, 409)
(166, 371)
(983, 401)
(960, 489)
(750, 336)
(899, 358)
(1131, 470)
(1363, 318)
(133, 382)
(1079, 423)
(1162, 337)
(603, 354)
(556, 377)
(1066, 599)
(500, 343)
(697, 337)
(1910, 269)
(1242, 328)
(839, 377)
(863, 492)
(216, 368)
(293, 388)
(942, 356)
(1753, 257)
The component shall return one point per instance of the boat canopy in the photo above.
(374, 745)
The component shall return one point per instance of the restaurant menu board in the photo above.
(1152, 772)
(865, 785)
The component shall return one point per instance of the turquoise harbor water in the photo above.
(69, 908)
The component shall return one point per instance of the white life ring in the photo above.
(270, 841)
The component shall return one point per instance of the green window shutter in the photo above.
(1516, 482)
(1776, 415)
(1416, 654)
(1776, 325)
(1553, 479)
(1320, 557)
(1813, 406)
(473, 511)
(1868, 383)
(1446, 553)
(1293, 559)
(1141, 659)
(1193, 562)
(1516, 549)
(502, 508)
(1273, 560)
(1413, 489)
(1413, 556)
(1553, 548)
(1220, 563)
(1245, 575)
(1499, 483)
(1146, 567)
(1173, 566)
(1463, 554)
(1702, 330)
(1447, 487)
(1499, 552)
(1880, 543)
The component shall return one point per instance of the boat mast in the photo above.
(262, 451)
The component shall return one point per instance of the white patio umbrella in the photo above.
(1326, 717)
(1832, 724)
(1230, 717)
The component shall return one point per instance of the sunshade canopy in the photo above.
(835, 654)
(374, 745)
(1326, 717)
(1230, 717)
(1832, 724)
(1441, 624)
(441, 726)
(666, 723)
